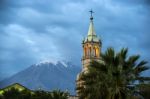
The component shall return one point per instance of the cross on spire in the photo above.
(91, 12)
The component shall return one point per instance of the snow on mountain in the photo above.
(64, 63)
(46, 75)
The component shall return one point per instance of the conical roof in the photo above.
(91, 31)
(91, 37)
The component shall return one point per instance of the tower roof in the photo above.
(91, 32)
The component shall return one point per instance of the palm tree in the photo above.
(145, 90)
(114, 78)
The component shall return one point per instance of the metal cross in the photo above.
(91, 11)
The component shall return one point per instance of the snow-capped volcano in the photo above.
(64, 63)
(46, 75)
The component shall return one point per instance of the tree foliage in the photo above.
(145, 90)
(39, 94)
(114, 78)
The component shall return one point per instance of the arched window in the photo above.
(85, 52)
(97, 52)
(94, 51)
(90, 51)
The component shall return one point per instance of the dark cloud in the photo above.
(134, 2)
(34, 30)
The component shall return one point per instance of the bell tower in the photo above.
(91, 46)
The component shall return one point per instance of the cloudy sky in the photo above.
(36, 30)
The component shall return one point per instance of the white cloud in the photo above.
(28, 43)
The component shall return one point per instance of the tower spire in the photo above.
(91, 31)
(91, 36)
(91, 11)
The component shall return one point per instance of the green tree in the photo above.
(113, 78)
(25, 94)
(1, 97)
(12, 94)
(40, 94)
(16, 94)
(57, 94)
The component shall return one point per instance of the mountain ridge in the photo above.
(47, 76)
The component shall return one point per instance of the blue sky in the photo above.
(36, 30)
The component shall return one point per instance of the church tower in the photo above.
(91, 46)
